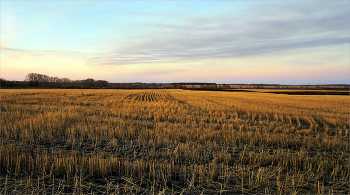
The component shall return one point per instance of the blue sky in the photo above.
(286, 42)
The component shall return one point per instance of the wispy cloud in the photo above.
(152, 73)
(17, 53)
(280, 27)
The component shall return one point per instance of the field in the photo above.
(172, 142)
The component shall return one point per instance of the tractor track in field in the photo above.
(151, 97)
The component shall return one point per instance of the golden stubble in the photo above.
(172, 141)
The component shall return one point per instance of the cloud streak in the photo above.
(280, 28)
(8, 51)
(153, 73)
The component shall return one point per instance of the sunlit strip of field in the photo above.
(173, 141)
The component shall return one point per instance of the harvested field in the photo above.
(172, 142)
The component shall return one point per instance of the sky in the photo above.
(272, 42)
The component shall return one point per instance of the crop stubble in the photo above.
(149, 96)
(172, 141)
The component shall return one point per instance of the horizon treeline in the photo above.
(35, 80)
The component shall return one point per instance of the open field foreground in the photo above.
(173, 142)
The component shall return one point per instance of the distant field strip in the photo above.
(311, 92)
(149, 97)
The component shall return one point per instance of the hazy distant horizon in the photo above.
(247, 42)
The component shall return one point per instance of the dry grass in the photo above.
(172, 142)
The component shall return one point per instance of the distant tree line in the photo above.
(35, 80)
